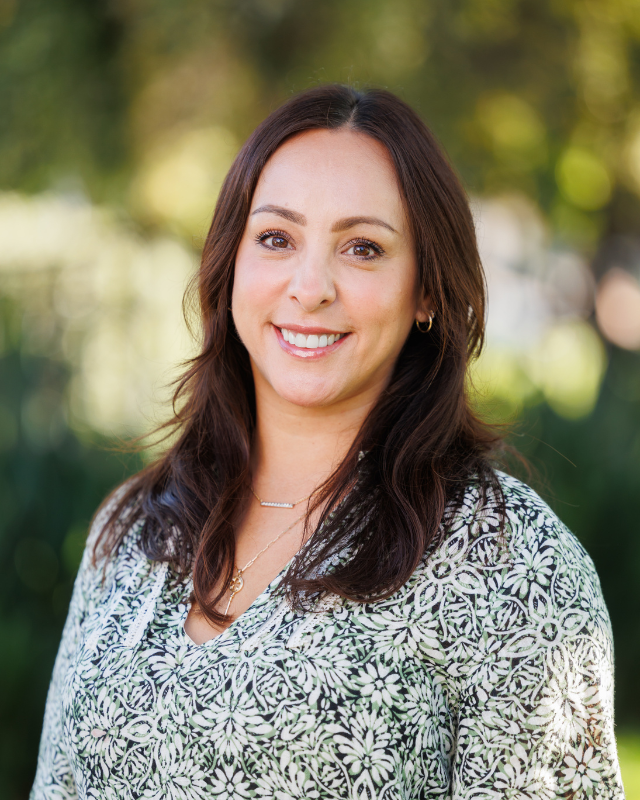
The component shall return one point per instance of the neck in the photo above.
(295, 449)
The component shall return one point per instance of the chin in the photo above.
(309, 395)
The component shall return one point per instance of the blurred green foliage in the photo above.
(629, 754)
(51, 482)
(530, 95)
(535, 96)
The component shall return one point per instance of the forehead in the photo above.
(342, 170)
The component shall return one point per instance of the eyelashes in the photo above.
(262, 238)
(367, 243)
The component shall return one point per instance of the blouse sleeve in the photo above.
(535, 718)
(54, 775)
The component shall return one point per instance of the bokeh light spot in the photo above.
(73, 547)
(618, 308)
(568, 365)
(179, 181)
(513, 127)
(583, 179)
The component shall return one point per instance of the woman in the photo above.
(324, 589)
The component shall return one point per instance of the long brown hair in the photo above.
(422, 442)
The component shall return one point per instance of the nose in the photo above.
(312, 284)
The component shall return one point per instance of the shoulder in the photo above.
(543, 552)
(510, 579)
(517, 532)
(102, 563)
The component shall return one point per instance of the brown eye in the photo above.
(364, 250)
(273, 240)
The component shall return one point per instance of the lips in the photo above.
(310, 341)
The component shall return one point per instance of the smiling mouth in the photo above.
(312, 341)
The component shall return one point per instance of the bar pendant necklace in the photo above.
(273, 504)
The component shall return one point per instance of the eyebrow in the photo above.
(339, 226)
(350, 222)
(292, 216)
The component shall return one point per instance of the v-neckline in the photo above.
(258, 602)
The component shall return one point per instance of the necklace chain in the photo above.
(274, 504)
(237, 581)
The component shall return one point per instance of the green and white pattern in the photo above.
(488, 675)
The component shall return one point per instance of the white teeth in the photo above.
(311, 342)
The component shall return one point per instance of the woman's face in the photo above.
(326, 282)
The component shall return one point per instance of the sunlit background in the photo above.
(119, 120)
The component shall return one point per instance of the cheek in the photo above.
(253, 285)
(386, 306)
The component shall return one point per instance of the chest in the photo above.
(336, 694)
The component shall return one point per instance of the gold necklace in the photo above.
(269, 504)
(237, 582)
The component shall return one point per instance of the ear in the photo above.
(424, 309)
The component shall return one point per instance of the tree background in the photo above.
(119, 120)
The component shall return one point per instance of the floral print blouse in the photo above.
(488, 675)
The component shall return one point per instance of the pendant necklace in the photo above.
(237, 582)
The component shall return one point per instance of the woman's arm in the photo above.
(54, 774)
(54, 777)
(536, 712)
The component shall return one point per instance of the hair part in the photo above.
(422, 441)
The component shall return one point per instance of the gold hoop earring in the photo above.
(428, 328)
